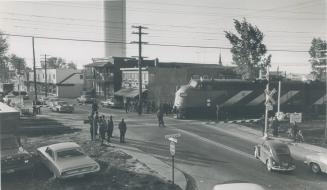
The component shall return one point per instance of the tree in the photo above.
(58, 63)
(248, 49)
(71, 65)
(318, 56)
(3, 56)
(17, 62)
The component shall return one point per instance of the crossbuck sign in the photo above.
(270, 99)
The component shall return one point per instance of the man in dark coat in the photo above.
(122, 128)
(91, 126)
(102, 129)
(96, 123)
(110, 128)
(160, 118)
(274, 126)
(94, 107)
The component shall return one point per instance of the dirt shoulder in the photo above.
(118, 169)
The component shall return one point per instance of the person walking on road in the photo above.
(102, 129)
(262, 124)
(122, 128)
(94, 107)
(110, 128)
(160, 118)
(91, 126)
(274, 126)
(96, 123)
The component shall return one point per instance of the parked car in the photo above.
(85, 99)
(14, 157)
(8, 98)
(62, 106)
(50, 101)
(235, 186)
(276, 155)
(317, 162)
(67, 160)
(44, 99)
(108, 103)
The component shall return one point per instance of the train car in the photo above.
(236, 98)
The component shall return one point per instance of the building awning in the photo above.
(129, 92)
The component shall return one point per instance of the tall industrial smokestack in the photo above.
(115, 27)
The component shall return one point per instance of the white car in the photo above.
(235, 186)
(62, 106)
(8, 98)
(317, 162)
(107, 103)
(67, 159)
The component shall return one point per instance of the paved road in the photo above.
(209, 155)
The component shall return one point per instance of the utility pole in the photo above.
(267, 103)
(140, 33)
(19, 85)
(34, 69)
(46, 75)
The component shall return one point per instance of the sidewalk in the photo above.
(299, 150)
(164, 170)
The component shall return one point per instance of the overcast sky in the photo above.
(289, 27)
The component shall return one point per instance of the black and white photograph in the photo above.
(163, 95)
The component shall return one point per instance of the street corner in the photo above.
(148, 164)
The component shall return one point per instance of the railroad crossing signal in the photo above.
(270, 100)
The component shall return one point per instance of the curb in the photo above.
(163, 170)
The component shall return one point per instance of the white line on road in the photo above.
(218, 144)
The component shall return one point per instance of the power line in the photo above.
(117, 27)
(180, 5)
(150, 44)
(164, 11)
(167, 30)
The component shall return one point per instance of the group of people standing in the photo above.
(104, 128)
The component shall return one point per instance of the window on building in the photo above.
(80, 76)
(54, 77)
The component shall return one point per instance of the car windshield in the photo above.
(282, 150)
(63, 103)
(69, 153)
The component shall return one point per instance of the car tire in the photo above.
(315, 168)
(269, 165)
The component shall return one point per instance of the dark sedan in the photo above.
(276, 155)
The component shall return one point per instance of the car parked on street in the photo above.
(235, 186)
(85, 99)
(317, 162)
(51, 101)
(62, 106)
(108, 103)
(276, 155)
(67, 160)
(8, 98)
(14, 157)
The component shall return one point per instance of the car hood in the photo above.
(76, 162)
